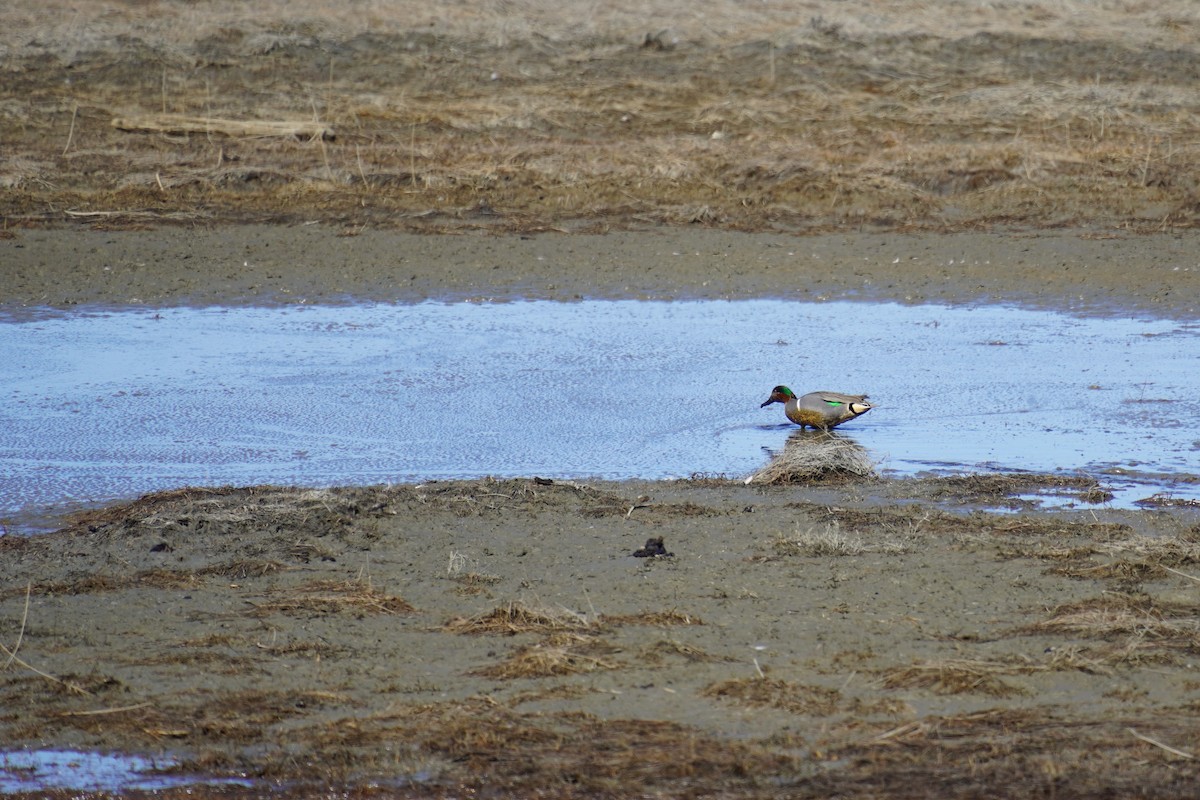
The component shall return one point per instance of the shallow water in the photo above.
(113, 404)
(31, 771)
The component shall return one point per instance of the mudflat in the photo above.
(828, 635)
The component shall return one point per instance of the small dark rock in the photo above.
(654, 549)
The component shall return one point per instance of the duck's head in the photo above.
(780, 394)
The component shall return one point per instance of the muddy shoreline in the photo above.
(501, 637)
(1074, 271)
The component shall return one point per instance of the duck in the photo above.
(819, 410)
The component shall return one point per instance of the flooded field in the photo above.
(111, 404)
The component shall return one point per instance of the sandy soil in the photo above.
(841, 637)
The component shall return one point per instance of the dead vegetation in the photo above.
(536, 697)
(1141, 623)
(809, 458)
(776, 693)
(517, 618)
(538, 117)
(330, 597)
(560, 654)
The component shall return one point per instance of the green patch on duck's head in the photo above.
(780, 394)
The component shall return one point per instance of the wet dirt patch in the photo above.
(801, 659)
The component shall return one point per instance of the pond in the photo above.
(110, 404)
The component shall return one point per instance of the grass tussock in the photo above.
(1135, 619)
(331, 597)
(809, 458)
(796, 698)
(517, 618)
(561, 654)
(957, 676)
(831, 540)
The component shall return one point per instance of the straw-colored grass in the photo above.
(560, 654)
(517, 618)
(957, 676)
(830, 540)
(776, 693)
(812, 458)
(331, 597)
(861, 114)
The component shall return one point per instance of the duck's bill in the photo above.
(768, 402)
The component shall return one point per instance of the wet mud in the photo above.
(579, 640)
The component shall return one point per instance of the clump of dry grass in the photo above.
(660, 618)
(560, 654)
(775, 693)
(332, 597)
(814, 458)
(831, 540)
(655, 653)
(1141, 619)
(517, 618)
(957, 676)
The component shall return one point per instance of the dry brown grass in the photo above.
(1142, 624)
(517, 618)
(536, 116)
(775, 693)
(957, 676)
(814, 458)
(331, 597)
(560, 654)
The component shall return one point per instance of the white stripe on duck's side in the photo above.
(823, 410)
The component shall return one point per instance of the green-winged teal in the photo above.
(824, 410)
